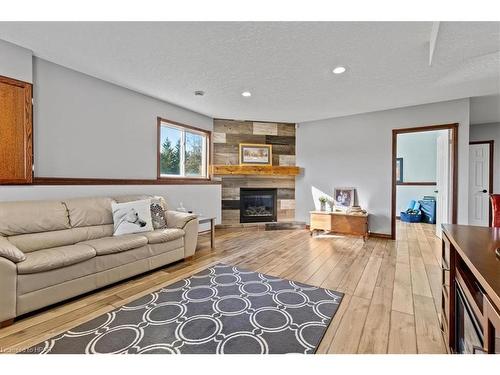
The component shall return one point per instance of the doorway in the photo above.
(480, 182)
(442, 188)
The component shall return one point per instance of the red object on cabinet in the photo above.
(495, 206)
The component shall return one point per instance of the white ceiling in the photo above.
(286, 65)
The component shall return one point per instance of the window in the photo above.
(183, 151)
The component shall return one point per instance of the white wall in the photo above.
(356, 151)
(487, 132)
(85, 127)
(202, 199)
(418, 151)
(88, 128)
(15, 62)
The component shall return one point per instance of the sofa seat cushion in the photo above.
(57, 257)
(117, 244)
(163, 235)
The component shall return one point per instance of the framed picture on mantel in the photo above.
(254, 154)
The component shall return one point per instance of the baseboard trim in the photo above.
(380, 235)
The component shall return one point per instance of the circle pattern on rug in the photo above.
(223, 309)
(271, 319)
(114, 341)
(164, 313)
(199, 329)
(231, 305)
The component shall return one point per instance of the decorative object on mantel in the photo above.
(268, 170)
(322, 202)
(344, 197)
(256, 154)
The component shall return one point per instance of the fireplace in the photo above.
(258, 205)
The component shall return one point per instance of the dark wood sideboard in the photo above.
(470, 316)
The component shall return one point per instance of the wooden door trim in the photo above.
(454, 169)
(491, 143)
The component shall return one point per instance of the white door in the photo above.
(479, 182)
(442, 180)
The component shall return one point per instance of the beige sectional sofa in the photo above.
(54, 250)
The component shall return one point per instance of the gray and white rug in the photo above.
(222, 309)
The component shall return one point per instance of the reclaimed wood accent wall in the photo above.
(227, 136)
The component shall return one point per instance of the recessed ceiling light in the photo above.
(339, 70)
(246, 94)
(199, 93)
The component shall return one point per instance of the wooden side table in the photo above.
(211, 220)
(339, 222)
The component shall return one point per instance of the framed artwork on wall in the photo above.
(344, 197)
(255, 154)
(399, 170)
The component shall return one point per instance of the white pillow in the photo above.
(132, 217)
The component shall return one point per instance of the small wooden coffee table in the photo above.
(211, 220)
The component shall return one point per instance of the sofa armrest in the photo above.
(8, 289)
(187, 222)
(10, 252)
(190, 238)
(176, 219)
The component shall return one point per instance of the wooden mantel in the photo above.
(280, 170)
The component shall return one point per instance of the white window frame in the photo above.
(205, 160)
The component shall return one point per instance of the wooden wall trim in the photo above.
(417, 183)
(454, 169)
(379, 235)
(112, 181)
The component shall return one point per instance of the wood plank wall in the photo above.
(227, 136)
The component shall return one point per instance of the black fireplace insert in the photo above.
(258, 205)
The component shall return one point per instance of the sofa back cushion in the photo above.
(32, 217)
(46, 240)
(84, 212)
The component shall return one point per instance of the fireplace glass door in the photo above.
(257, 205)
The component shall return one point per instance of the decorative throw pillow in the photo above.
(158, 216)
(132, 217)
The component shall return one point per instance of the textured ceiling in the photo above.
(286, 65)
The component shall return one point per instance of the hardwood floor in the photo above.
(391, 287)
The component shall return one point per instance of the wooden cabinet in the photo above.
(339, 222)
(470, 317)
(492, 328)
(16, 143)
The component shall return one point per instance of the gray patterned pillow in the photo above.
(158, 216)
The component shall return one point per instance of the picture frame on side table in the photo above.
(344, 197)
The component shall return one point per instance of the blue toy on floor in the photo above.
(413, 214)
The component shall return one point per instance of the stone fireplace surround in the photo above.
(227, 136)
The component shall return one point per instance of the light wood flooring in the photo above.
(392, 288)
